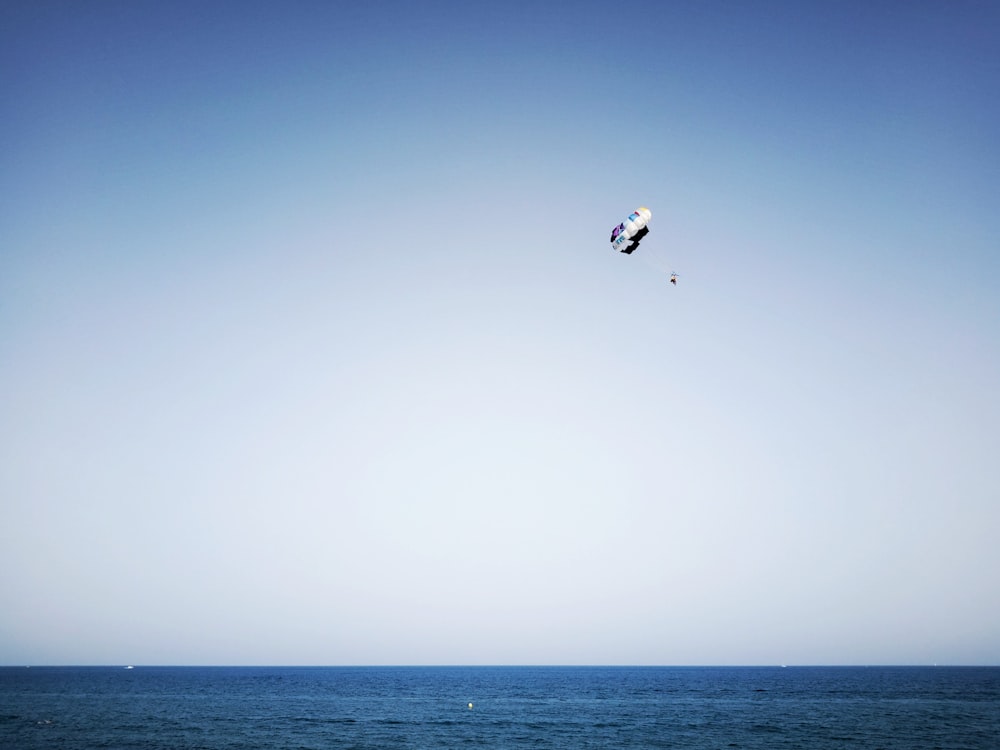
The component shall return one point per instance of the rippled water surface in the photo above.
(513, 707)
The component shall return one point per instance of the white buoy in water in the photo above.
(470, 706)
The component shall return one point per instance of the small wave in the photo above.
(767, 728)
(324, 720)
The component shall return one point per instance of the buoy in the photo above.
(470, 706)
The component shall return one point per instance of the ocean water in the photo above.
(279, 708)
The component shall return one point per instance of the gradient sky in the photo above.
(313, 348)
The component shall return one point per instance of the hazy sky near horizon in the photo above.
(313, 349)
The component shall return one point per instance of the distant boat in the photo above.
(129, 667)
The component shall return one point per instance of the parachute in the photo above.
(632, 229)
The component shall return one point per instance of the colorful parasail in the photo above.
(627, 235)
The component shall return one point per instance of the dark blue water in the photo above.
(513, 707)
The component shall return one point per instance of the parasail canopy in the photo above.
(627, 235)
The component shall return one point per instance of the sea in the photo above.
(295, 708)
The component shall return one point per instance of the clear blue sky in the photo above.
(313, 349)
